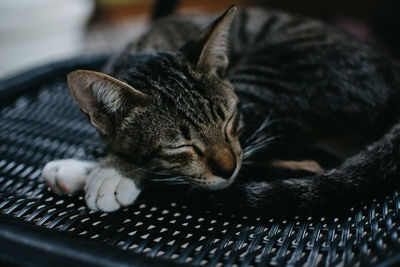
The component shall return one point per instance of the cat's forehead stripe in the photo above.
(182, 90)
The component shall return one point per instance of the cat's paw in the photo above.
(67, 175)
(107, 190)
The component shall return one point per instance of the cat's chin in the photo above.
(219, 183)
(215, 183)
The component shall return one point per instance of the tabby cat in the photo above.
(318, 110)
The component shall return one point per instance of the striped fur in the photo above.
(308, 94)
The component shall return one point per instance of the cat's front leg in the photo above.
(113, 184)
(67, 175)
(108, 185)
(107, 190)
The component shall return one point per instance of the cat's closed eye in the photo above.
(234, 126)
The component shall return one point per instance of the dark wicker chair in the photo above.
(39, 122)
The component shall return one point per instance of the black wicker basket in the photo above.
(39, 122)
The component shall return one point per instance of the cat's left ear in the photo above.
(209, 52)
(104, 99)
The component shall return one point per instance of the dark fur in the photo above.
(331, 96)
(317, 93)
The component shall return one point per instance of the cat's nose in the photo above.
(222, 162)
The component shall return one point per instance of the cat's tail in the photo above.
(361, 177)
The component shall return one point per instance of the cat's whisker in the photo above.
(266, 123)
(170, 180)
(260, 144)
(249, 163)
(155, 173)
(259, 140)
(262, 141)
(177, 178)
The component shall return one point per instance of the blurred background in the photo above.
(34, 32)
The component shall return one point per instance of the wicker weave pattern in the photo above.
(46, 125)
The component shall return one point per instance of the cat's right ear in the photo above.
(104, 99)
(209, 52)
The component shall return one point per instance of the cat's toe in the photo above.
(126, 192)
(92, 188)
(106, 196)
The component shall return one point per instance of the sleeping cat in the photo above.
(317, 110)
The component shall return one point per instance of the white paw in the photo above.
(68, 175)
(107, 190)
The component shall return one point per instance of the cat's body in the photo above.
(311, 98)
(337, 89)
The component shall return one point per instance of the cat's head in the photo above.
(171, 113)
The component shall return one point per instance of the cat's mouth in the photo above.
(214, 182)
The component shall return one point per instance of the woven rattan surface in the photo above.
(45, 124)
